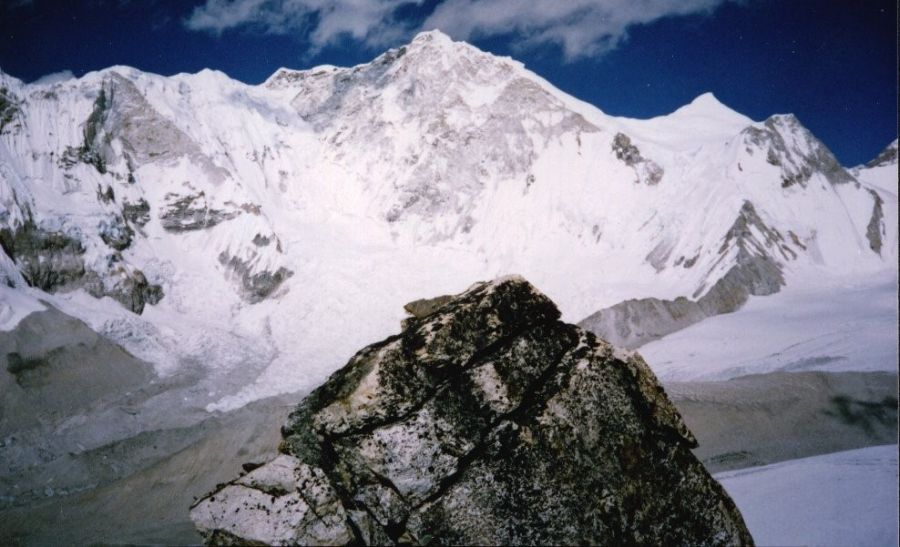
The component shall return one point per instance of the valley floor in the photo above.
(166, 469)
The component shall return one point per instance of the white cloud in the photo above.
(321, 21)
(579, 27)
(54, 77)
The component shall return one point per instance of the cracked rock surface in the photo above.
(487, 421)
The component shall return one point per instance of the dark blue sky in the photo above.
(831, 62)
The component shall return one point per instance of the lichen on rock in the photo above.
(487, 420)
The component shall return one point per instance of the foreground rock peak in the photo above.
(487, 420)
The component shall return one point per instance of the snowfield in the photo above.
(838, 325)
(845, 498)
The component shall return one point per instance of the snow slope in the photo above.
(881, 172)
(845, 324)
(275, 229)
(845, 498)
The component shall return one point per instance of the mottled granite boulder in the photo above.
(487, 421)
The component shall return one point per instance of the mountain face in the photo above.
(486, 421)
(326, 196)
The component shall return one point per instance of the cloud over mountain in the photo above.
(579, 27)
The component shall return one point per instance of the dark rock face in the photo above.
(127, 286)
(9, 109)
(886, 157)
(646, 171)
(256, 286)
(53, 261)
(797, 163)
(487, 421)
(48, 260)
(116, 233)
(121, 113)
(875, 230)
(137, 213)
(191, 212)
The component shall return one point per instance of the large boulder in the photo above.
(487, 421)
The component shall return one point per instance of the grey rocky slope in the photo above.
(766, 418)
(488, 421)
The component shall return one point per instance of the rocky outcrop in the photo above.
(795, 150)
(749, 243)
(136, 213)
(124, 284)
(115, 233)
(53, 261)
(646, 171)
(888, 156)
(487, 421)
(184, 213)
(9, 109)
(875, 229)
(256, 285)
(47, 259)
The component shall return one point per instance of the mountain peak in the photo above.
(888, 156)
(707, 100)
(708, 105)
(434, 36)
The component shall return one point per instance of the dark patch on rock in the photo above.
(52, 261)
(137, 213)
(16, 364)
(191, 212)
(9, 109)
(129, 288)
(116, 233)
(106, 196)
(261, 241)
(48, 260)
(250, 466)
(256, 286)
(875, 229)
(488, 421)
(646, 171)
(625, 151)
(93, 151)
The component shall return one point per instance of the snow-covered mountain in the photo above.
(881, 172)
(237, 226)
